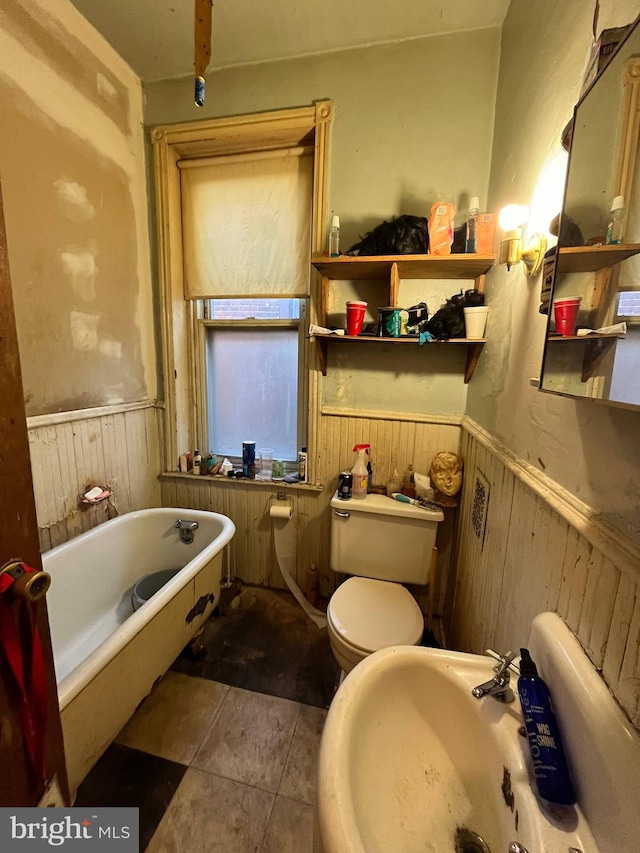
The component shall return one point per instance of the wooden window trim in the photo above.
(181, 331)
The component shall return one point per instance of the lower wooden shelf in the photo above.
(474, 347)
(596, 348)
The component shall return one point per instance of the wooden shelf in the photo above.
(346, 268)
(597, 347)
(391, 269)
(593, 258)
(405, 339)
(584, 338)
(474, 347)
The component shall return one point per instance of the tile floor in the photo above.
(222, 755)
(264, 642)
(214, 768)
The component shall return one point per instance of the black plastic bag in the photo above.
(448, 322)
(404, 235)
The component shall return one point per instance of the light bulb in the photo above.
(547, 196)
(512, 216)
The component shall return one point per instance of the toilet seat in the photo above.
(368, 615)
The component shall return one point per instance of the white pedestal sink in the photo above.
(411, 762)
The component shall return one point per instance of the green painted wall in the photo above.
(590, 449)
(413, 125)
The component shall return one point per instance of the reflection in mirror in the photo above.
(597, 354)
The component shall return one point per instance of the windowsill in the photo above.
(243, 481)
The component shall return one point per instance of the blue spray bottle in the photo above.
(549, 762)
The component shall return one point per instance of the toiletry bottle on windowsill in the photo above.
(303, 474)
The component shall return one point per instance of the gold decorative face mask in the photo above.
(446, 472)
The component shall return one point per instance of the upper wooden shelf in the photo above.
(592, 258)
(379, 267)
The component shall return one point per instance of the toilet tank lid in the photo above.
(382, 505)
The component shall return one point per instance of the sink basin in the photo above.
(411, 761)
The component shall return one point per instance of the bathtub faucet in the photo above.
(186, 529)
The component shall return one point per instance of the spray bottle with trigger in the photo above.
(360, 472)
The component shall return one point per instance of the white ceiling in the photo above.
(156, 36)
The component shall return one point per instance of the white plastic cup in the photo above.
(475, 321)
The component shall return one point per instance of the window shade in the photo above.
(246, 226)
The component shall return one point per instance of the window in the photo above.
(252, 375)
(246, 234)
(256, 247)
(629, 306)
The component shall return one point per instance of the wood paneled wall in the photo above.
(116, 447)
(534, 559)
(396, 442)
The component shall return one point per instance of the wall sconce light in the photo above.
(511, 220)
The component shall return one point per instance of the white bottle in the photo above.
(360, 475)
(334, 237)
(197, 461)
(472, 225)
(302, 466)
(616, 221)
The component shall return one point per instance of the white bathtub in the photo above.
(107, 656)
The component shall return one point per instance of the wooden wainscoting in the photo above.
(115, 446)
(396, 440)
(542, 551)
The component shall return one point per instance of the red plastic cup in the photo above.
(566, 314)
(355, 317)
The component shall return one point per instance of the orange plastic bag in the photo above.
(441, 227)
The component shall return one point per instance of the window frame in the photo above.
(182, 349)
(201, 368)
(629, 319)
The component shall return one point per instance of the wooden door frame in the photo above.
(19, 784)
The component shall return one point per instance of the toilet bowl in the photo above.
(381, 543)
(366, 615)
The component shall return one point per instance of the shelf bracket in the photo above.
(321, 348)
(473, 354)
(595, 352)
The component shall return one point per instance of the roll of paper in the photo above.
(284, 537)
(281, 511)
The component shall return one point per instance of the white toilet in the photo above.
(382, 544)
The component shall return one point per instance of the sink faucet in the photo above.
(498, 686)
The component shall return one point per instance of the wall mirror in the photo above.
(604, 162)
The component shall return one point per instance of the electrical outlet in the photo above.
(480, 506)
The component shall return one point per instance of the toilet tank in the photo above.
(380, 537)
